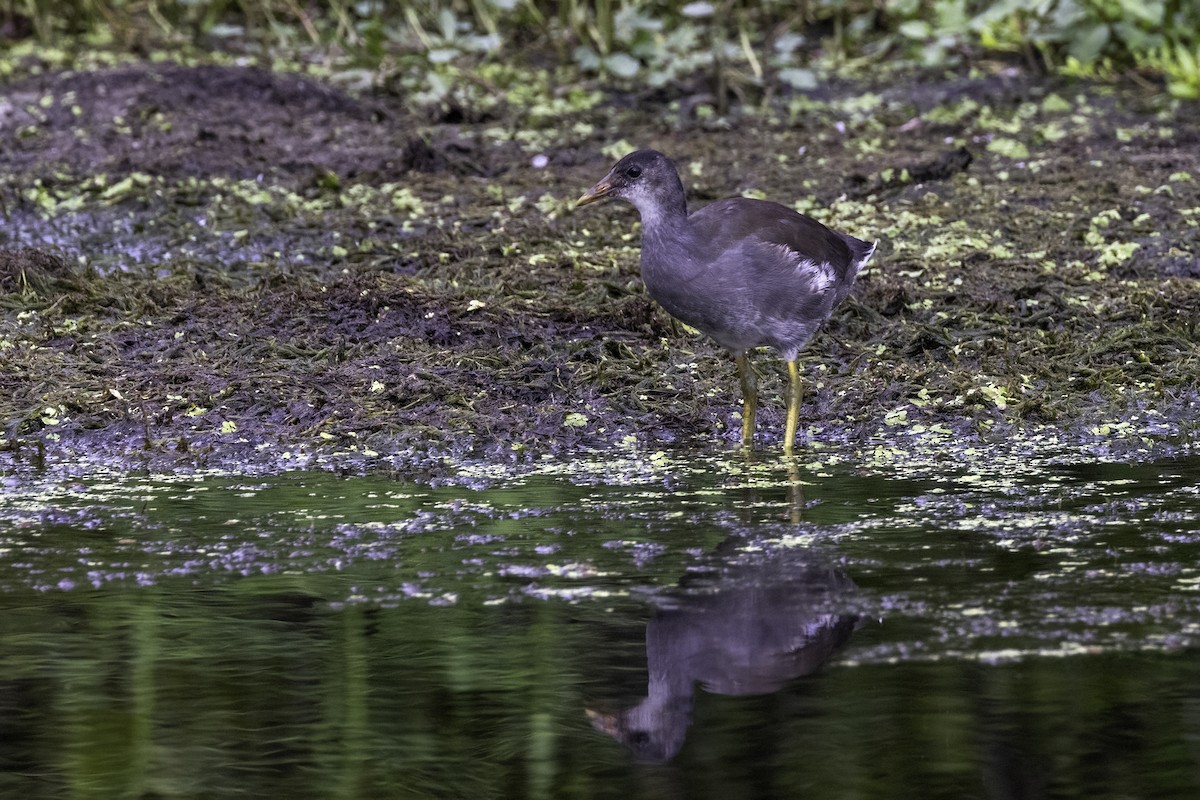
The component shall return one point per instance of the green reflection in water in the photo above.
(309, 636)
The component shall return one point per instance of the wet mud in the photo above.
(218, 264)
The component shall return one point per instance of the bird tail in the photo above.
(860, 252)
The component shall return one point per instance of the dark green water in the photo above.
(999, 631)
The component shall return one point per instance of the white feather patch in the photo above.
(862, 262)
(819, 274)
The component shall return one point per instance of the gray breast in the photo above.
(752, 294)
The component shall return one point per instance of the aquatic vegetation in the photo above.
(441, 51)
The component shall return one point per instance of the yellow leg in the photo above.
(795, 393)
(795, 491)
(749, 383)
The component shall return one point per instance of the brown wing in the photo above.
(733, 221)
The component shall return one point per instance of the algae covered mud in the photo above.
(213, 265)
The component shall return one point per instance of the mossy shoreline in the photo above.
(224, 265)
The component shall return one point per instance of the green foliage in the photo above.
(1180, 63)
(1088, 30)
(1077, 36)
(737, 41)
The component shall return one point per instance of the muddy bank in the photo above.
(216, 264)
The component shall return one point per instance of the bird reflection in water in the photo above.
(746, 626)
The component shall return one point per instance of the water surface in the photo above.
(672, 626)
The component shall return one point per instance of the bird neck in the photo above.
(663, 214)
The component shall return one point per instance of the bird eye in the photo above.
(633, 172)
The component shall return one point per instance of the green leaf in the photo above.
(586, 57)
(1054, 103)
(1088, 45)
(915, 29)
(798, 78)
(1008, 148)
(622, 65)
(442, 55)
(1149, 12)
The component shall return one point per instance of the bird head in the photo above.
(645, 178)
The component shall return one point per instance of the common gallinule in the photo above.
(749, 273)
